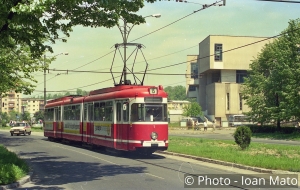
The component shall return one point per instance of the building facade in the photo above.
(14, 102)
(11, 102)
(175, 109)
(32, 105)
(216, 75)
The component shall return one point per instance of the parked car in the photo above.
(21, 128)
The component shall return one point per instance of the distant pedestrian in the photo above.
(205, 126)
(214, 124)
(197, 125)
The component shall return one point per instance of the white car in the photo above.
(21, 128)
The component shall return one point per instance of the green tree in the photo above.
(192, 110)
(4, 119)
(177, 93)
(272, 88)
(81, 92)
(25, 116)
(14, 115)
(28, 27)
(39, 115)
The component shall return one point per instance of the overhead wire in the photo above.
(168, 54)
(204, 7)
(280, 1)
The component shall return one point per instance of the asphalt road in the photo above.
(63, 166)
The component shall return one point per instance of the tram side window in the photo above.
(90, 112)
(49, 114)
(108, 111)
(119, 111)
(102, 111)
(76, 112)
(67, 113)
(126, 113)
(97, 111)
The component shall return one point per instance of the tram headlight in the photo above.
(154, 135)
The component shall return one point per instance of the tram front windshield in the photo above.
(148, 112)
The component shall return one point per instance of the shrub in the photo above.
(242, 136)
(12, 167)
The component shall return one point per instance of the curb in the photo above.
(255, 169)
(19, 183)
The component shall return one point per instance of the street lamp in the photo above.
(45, 74)
(125, 34)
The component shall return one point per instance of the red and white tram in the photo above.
(124, 117)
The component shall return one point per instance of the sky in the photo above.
(92, 49)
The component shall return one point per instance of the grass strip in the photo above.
(269, 156)
(278, 136)
(12, 168)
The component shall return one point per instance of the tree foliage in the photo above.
(39, 115)
(272, 87)
(192, 110)
(177, 93)
(28, 27)
(59, 95)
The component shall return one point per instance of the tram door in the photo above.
(57, 121)
(121, 127)
(87, 122)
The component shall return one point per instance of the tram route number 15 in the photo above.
(153, 90)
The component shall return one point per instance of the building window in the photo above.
(216, 76)
(241, 101)
(240, 75)
(194, 70)
(227, 101)
(218, 52)
(192, 88)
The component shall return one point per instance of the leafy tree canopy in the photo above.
(192, 110)
(272, 87)
(177, 93)
(39, 115)
(28, 27)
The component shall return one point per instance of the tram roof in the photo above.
(117, 88)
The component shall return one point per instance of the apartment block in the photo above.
(14, 102)
(11, 102)
(32, 105)
(215, 76)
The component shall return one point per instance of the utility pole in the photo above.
(125, 42)
(45, 75)
(44, 81)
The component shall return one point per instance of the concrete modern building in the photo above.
(215, 76)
